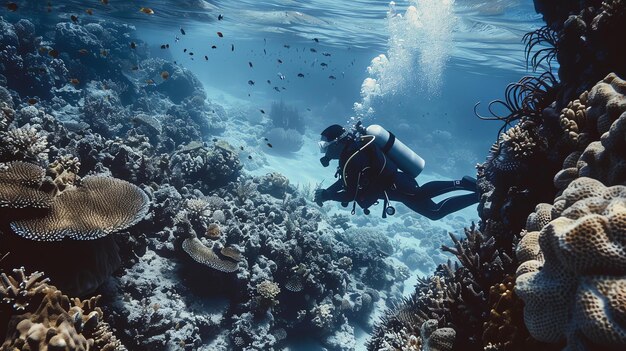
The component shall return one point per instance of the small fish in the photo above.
(265, 139)
(286, 46)
(83, 51)
(220, 34)
(220, 17)
(182, 31)
(42, 50)
(308, 109)
(74, 81)
(316, 40)
(185, 50)
(12, 6)
(206, 57)
(53, 53)
(105, 2)
(263, 112)
(165, 75)
(270, 145)
(149, 81)
(249, 157)
(264, 52)
(251, 82)
(163, 46)
(269, 81)
(32, 101)
(280, 61)
(281, 76)
(176, 39)
(190, 53)
(134, 68)
(277, 89)
(232, 47)
(300, 75)
(89, 12)
(104, 53)
(250, 64)
(214, 140)
(323, 64)
(74, 18)
(326, 53)
(213, 47)
(332, 77)
(241, 148)
(313, 50)
(133, 45)
(146, 10)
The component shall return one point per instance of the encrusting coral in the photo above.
(574, 287)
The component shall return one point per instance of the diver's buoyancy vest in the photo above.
(405, 158)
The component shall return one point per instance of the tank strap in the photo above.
(389, 143)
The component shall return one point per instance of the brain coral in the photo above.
(577, 291)
(608, 102)
(100, 206)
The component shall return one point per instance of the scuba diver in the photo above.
(374, 165)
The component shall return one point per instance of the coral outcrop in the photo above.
(572, 275)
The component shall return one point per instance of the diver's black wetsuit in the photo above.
(367, 175)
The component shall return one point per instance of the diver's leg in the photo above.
(452, 204)
(438, 187)
(422, 205)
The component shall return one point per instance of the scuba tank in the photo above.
(405, 158)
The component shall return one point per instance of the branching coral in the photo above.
(54, 322)
(24, 143)
(64, 171)
(519, 141)
(580, 267)
(18, 289)
(573, 117)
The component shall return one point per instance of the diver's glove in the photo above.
(320, 196)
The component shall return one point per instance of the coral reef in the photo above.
(572, 256)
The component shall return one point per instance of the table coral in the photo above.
(582, 268)
(113, 205)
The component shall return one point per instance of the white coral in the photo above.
(24, 143)
(577, 290)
